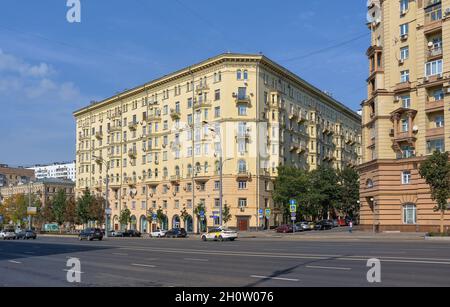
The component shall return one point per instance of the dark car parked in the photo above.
(131, 234)
(176, 233)
(91, 234)
(285, 229)
(26, 234)
(324, 225)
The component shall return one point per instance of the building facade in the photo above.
(64, 170)
(45, 189)
(14, 175)
(404, 117)
(160, 143)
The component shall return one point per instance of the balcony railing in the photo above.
(242, 99)
(435, 52)
(202, 87)
(132, 125)
(175, 114)
(132, 153)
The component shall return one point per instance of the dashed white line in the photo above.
(120, 254)
(144, 265)
(327, 268)
(274, 278)
(13, 261)
(195, 259)
(76, 272)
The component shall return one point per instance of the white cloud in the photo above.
(20, 80)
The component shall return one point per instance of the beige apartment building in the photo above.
(161, 142)
(404, 117)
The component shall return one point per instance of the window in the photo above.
(435, 145)
(438, 95)
(406, 177)
(242, 185)
(217, 95)
(239, 75)
(407, 152)
(242, 110)
(405, 125)
(433, 68)
(245, 75)
(406, 101)
(242, 93)
(404, 5)
(242, 166)
(217, 112)
(409, 214)
(369, 183)
(439, 121)
(216, 185)
(404, 30)
(216, 203)
(404, 76)
(404, 53)
(242, 203)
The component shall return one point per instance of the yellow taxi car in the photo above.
(219, 234)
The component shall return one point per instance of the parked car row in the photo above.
(9, 234)
(307, 226)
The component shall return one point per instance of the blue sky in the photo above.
(49, 67)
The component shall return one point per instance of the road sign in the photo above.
(1, 218)
(31, 210)
(293, 202)
(293, 214)
(268, 213)
(293, 205)
(293, 218)
(202, 213)
(154, 216)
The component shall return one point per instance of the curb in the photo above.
(427, 238)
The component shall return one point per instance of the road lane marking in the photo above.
(327, 268)
(76, 272)
(144, 265)
(274, 278)
(31, 253)
(13, 261)
(120, 254)
(194, 259)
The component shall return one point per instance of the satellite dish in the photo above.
(374, 13)
(416, 128)
(430, 44)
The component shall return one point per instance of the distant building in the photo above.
(14, 175)
(64, 170)
(45, 189)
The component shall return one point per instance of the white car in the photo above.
(219, 234)
(158, 234)
(7, 235)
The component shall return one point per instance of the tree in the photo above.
(83, 207)
(150, 216)
(325, 190)
(97, 210)
(291, 183)
(160, 216)
(58, 204)
(436, 172)
(197, 210)
(226, 214)
(14, 209)
(70, 215)
(125, 217)
(349, 195)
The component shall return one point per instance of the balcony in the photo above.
(84, 137)
(402, 87)
(114, 155)
(152, 181)
(407, 137)
(435, 132)
(243, 136)
(433, 20)
(294, 146)
(175, 114)
(293, 114)
(328, 129)
(114, 129)
(132, 126)
(242, 99)
(202, 103)
(243, 175)
(131, 181)
(434, 106)
(202, 88)
(132, 154)
(175, 178)
(154, 118)
(434, 53)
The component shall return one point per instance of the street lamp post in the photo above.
(107, 211)
(221, 164)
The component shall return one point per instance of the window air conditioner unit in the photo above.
(439, 76)
(396, 98)
(401, 61)
(447, 12)
(426, 79)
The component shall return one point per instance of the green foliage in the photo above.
(226, 214)
(436, 172)
(83, 207)
(318, 192)
(125, 217)
(58, 207)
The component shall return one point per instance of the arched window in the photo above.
(156, 173)
(177, 170)
(369, 183)
(189, 169)
(124, 176)
(150, 173)
(198, 167)
(220, 76)
(409, 214)
(117, 178)
(144, 175)
(245, 75)
(242, 166)
(216, 166)
(206, 167)
(165, 172)
(134, 176)
(239, 74)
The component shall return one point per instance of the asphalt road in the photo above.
(243, 263)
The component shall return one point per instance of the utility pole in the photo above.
(193, 154)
